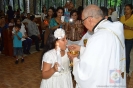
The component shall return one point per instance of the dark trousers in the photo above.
(128, 45)
(42, 38)
(27, 44)
(36, 40)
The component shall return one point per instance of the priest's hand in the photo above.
(74, 47)
(122, 75)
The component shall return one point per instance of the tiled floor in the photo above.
(24, 75)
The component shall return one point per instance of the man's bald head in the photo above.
(92, 10)
(91, 15)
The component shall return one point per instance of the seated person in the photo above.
(27, 19)
(33, 31)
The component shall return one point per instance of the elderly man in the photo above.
(102, 61)
(88, 34)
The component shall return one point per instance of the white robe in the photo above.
(103, 58)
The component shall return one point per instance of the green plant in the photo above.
(115, 3)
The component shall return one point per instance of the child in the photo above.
(55, 58)
(17, 43)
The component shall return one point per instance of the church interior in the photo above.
(27, 73)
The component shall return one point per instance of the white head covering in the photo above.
(59, 33)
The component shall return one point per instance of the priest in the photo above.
(102, 62)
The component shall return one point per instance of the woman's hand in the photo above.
(56, 67)
(126, 27)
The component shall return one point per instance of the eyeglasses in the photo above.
(85, 19)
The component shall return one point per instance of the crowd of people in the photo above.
(104, 60)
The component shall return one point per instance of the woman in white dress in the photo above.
(52, 76)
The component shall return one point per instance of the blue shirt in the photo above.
(16, 41)
(53, 23)
(67, 16)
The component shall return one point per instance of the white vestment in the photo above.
(103, 59)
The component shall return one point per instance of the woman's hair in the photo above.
(32, 17)
(11, 19)
(58, 10)
(73, 11)
(43, 8)
(52, 8)
(130, 6)
(80, 9)
(105, 11)
(18, 26)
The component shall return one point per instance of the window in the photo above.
(37, 8)
(5, 5)
(38, 4)
(27, 8)
(11, 3)
(21, 3)
(16, 4)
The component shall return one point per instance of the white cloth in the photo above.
(86, 36)
(43, 16)
(11, 24)
(114, 16)
(26, 20)
(61, 79)
(103, 56)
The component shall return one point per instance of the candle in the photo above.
(59, 58)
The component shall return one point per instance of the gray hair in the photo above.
(94, 11)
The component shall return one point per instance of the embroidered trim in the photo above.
(115, 35)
